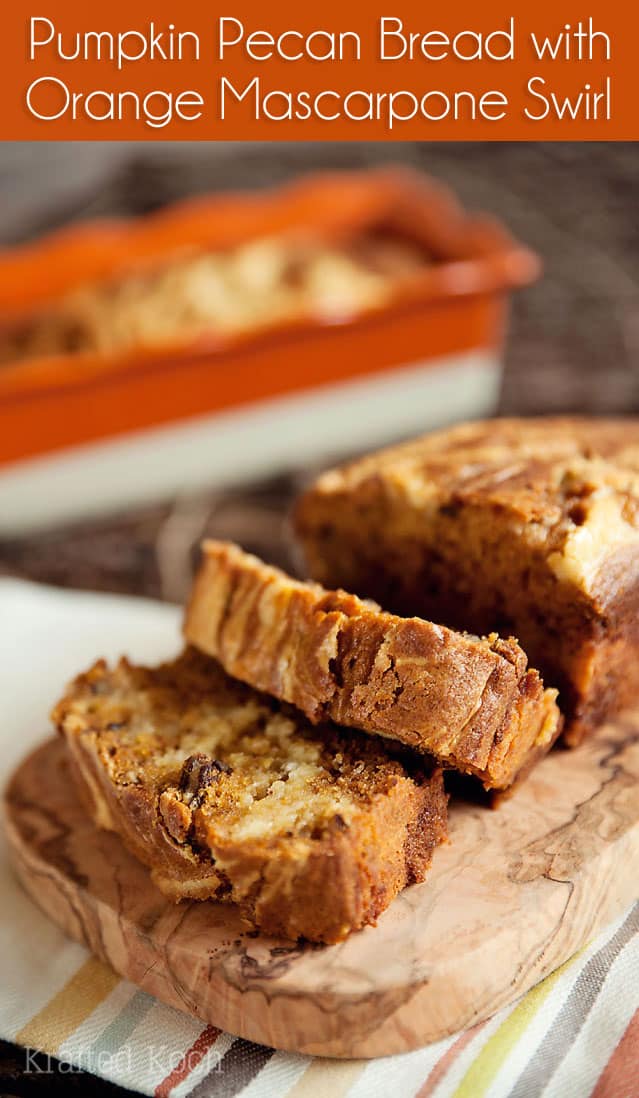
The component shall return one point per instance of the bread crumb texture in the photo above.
(226, 794)
(471, 702)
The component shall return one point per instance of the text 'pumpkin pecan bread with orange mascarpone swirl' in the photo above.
(529, 526)
(470, 702)
(228, 795)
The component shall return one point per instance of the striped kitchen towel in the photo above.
(574, 1035)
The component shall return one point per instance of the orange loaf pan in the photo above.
(457, 304)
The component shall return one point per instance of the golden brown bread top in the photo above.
(564, 486)
(190, 296)
(470, 702)
(226, 794)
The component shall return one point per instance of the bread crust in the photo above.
(319, 886)
(529, 526)
(470, 702)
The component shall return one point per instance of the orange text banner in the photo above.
(280, 71)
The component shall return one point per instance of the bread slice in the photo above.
(470, 702)
(228, 795)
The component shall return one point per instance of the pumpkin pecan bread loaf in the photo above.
(225, 794)
(472, 703)
(529, 526)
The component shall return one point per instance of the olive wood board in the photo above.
(515, 893)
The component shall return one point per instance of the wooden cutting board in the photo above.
(517, 891)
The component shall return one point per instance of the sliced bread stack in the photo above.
(290, 760)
